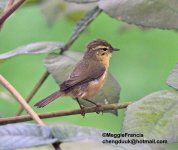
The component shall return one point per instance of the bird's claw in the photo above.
(97, 108)
(82, 111)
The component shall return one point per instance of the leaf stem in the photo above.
(65, 113)
(20, 99)
(81, 26)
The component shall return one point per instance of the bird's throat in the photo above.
(105, 61)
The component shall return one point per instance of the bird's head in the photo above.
(99, 50)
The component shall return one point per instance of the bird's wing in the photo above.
(85, 71)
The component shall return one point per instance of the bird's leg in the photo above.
(97, 105)
(81, 107)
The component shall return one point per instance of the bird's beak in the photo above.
(115, 49)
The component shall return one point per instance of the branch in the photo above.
(9, 4)
(20, 99)
(64, 113)
(10, 10)
(90, 16)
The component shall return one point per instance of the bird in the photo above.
(88, 76)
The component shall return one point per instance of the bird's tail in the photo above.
(48, 99)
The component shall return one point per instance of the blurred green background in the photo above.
(141, 66)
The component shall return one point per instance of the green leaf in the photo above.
(133, 146)
(173, 78)
(78, 135)
(46, 147)
(56, 9)
(69, 133)
(23, 135)
(88, 145)
(155, 116)
(52, 10)
(33, 48)
(6, 96)
(75, 136)
(2, 5)
(81, 1)
(61, 66)
(157, 13)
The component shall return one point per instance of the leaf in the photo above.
(74, 137)
(68, 133)
(133, 146)
(61, 66)
(33, 48)
(2, 5)
(173, 78)
(55, 9)
(157, 13)
(23, 135)
(46, 147)
(52, 10)
(81, 1)
(155, 116)
(88, 145)
(4, 95)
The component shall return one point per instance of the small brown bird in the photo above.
(88, 77)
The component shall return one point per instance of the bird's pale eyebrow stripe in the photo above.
(100, 47)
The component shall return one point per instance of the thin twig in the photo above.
(34, 90)
(64, 113)
(9, 11)
(69, 43)
(81, 26)
(20, 99)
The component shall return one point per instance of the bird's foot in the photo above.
(82, 108)
(97, 108)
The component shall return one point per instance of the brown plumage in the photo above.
(89, 75)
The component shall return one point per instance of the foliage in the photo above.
(145, 12)
(34, 48)
(151, 116)
(24, 135)
(172, 79)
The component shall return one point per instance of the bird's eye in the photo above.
(104, 49)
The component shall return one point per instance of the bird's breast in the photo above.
(94, 86)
